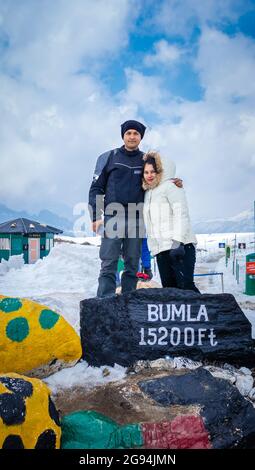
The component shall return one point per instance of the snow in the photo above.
(210, 241)
(95, 241)
(85, 375)
(69, 274)
(60, 280)
(15, 262)
(242, 215)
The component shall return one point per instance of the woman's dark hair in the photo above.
(151, 161)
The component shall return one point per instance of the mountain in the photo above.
(50, 218)
(243, 222)
(44, 216)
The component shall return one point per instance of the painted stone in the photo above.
(228, 417)
(28, 417)
(181, 409)
(35, 340)
(148, 324)
(91, 430)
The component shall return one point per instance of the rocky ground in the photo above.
(110, 399)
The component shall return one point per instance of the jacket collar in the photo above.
(128, 153)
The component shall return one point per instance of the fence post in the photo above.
(154, 266)
(222, 284)
(237, 269)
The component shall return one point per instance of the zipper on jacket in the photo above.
(149, 211)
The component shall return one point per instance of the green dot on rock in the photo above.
(10, 305)
(17, 329)
(48, 319)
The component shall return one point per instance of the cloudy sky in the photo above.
(72, 71)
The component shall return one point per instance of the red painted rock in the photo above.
(183, 432)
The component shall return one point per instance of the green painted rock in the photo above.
(92, 430)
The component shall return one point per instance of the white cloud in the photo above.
(226, 65)
(178, 17)
(213, 151)
(143, 92)
(213, 142)
(49, 146)
(165, 54)
(54, 122)
(50, 40)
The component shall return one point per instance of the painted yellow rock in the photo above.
(28, 417)
(34, 339)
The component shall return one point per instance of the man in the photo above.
(118, 180)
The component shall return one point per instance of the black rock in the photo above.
(147, 324)
(228, 417)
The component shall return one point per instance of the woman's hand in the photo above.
(177, 250)
(178, 182)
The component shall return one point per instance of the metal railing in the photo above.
(213, 274)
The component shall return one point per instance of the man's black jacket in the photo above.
(120, 180)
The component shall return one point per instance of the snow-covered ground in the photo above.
(84, 375)
(60, 280)
(69, 274)
(211, 241)
(95, 241)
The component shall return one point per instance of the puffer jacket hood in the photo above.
(165, 169)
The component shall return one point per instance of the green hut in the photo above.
(23, 236)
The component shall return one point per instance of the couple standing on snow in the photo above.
(132, 189)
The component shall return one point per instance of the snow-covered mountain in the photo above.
(242, 222)
(44, 216)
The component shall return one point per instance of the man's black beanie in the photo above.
(138, 126)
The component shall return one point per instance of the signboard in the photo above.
(222, 245)
(242, 246)
(151, 323)
(250, 267)
(163, 325)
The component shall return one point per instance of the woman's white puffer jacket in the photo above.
(166, 213)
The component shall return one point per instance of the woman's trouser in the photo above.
(189, 261)
(170, 270)
(178, 272)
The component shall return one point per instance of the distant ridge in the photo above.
(242, 222)
(44, 216)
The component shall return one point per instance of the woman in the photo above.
(166, 216)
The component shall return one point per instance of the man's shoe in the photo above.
(142, 276)
(148, 271)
